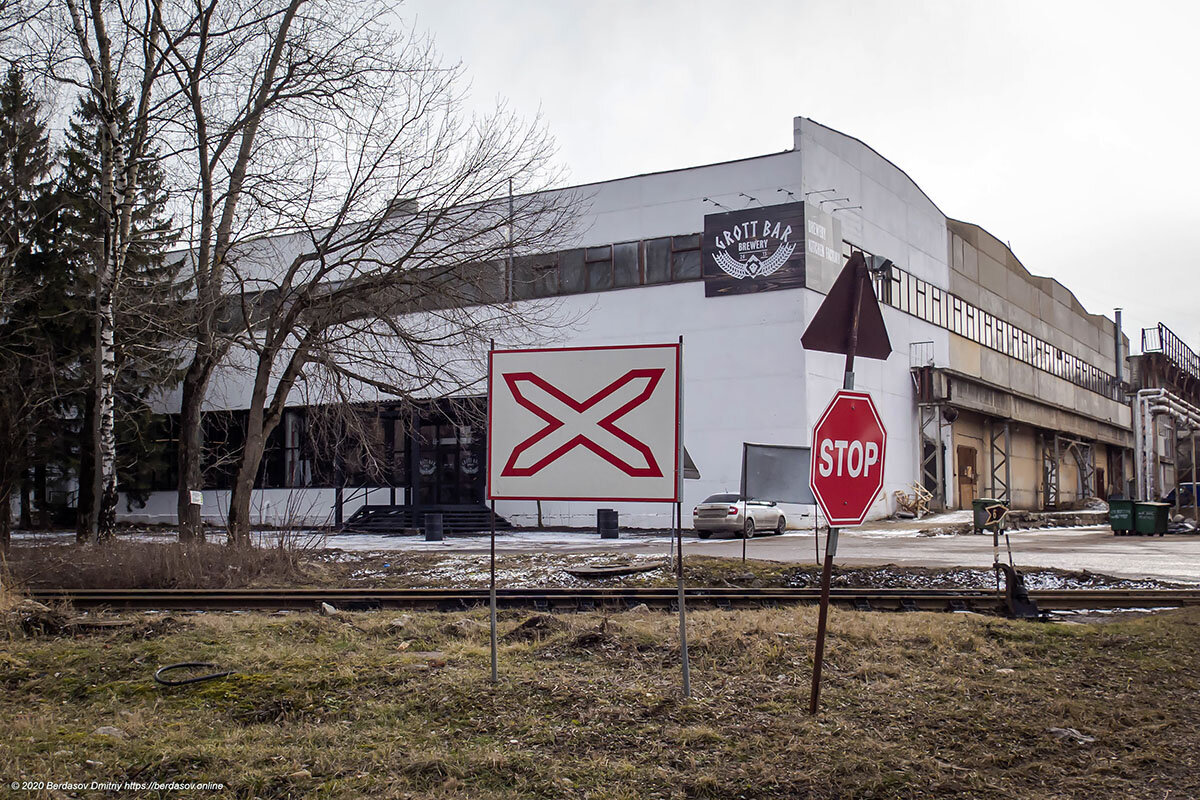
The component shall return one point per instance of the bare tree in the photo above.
(395, 283)
(339, 188)
(343, 218)
(260, 83)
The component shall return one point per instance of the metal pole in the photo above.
(1008, 490)
(492, 598)
(816, 535)
(996, 556)
(745, 502)
(831, 540)
(683, 645)
(1175, 463)
(1195, 494)
(678, 519)
(492, 519)
(508, 272)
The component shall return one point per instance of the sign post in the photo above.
(678, 516)
(849, 441)
(600, 424)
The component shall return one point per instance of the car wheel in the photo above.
(748, 532)
(780, 526)
(704, 534)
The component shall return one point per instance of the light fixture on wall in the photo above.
(748, 197)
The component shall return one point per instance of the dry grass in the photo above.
(357, 706)
(154, 565)
(148, 564)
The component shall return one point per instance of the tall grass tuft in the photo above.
(154, 565)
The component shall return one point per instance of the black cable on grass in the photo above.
(158, 673)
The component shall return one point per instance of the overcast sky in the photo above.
(1066, 129)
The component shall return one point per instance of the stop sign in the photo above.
(848, 448)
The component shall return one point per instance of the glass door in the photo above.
(449, 464)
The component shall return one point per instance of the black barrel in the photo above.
(606, 522)
(433, 526)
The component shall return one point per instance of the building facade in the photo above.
(999, 384)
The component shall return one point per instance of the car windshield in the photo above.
(722, 498)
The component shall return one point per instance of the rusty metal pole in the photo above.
(831, 541)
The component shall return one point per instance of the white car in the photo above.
(729, 512)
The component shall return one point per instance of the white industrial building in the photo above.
(999, 383)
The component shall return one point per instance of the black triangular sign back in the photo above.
(829, 330)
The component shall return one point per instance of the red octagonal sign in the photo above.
(849, 444)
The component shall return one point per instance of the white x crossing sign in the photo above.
(598, 423)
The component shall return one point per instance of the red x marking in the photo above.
(547, 445)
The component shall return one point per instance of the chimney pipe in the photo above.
(1117, 346)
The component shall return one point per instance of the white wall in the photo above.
(897, 220)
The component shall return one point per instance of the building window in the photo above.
(685, 257)
(572, 270)
(907, 293)
(658, 260)
(599, 268)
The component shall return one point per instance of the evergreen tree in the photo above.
(30, 282)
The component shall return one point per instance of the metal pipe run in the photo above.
(1151, 403)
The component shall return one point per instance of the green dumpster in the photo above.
(1151, 518)
(988, 513)
(1120, 516)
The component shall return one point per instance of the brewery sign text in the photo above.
(754, 250)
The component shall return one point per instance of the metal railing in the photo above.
(1162, 339)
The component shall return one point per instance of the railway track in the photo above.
(608, 598)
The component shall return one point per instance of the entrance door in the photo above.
(968, 475)
(449, 463)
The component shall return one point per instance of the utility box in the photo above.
(1120, 516)
(1151, 518)
(989, 513)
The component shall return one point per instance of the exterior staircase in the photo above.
(473, 518)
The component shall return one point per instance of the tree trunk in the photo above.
(243, 491)
(191, 452)
(83, 494)
(104, 478)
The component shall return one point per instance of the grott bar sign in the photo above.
(754, 250)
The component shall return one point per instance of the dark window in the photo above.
(599, 268)
(272, 473)
(535, 276)
(224, 438)
(572, 272)
(626, 271)
(658, 261)
(685, 260)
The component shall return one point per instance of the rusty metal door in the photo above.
(968, 475)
